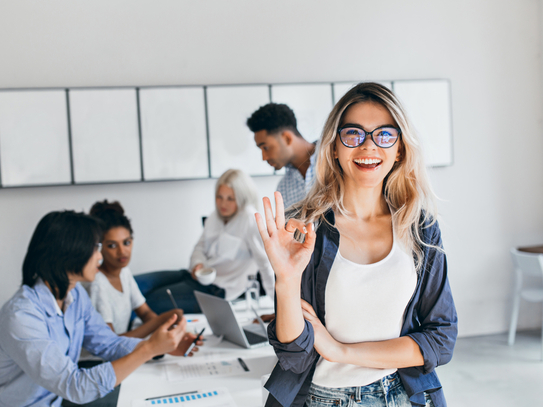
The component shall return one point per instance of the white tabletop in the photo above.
(150, 379)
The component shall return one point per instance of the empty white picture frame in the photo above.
(34, 141)
(311, 104)
(341, 88)
(105, 135)
(231, 142)
(174, 135)
(428, 105)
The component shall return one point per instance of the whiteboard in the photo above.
(232, 144)
(428, 105)
(105, 135)
(341, 88)
(174, 135)
(311, 104)
(34, 141)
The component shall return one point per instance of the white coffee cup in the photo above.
(206, 276)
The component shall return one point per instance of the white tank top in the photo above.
(363, 303)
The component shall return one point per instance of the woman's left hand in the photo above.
(325, 344)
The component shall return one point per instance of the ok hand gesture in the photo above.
(287, 256)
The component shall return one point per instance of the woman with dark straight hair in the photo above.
(48, 320)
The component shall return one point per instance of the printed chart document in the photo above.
(177, 372)
(219, 397)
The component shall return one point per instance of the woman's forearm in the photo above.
(127, 364)
(165, 339)
(289, 319)
(151, 325)
(145, 329)
(392, 353)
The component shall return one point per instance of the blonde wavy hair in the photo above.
(406, 188)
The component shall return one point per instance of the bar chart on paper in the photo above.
(178, 372)
(219, 397)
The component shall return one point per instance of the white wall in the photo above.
(490, 49)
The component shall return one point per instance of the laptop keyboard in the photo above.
(253, 338)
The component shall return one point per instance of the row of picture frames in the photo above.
(107, 135)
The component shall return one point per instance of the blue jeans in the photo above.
(388, 391)
(180, 282)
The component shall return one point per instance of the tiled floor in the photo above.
(485, 371)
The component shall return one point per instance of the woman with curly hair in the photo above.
(114, 292)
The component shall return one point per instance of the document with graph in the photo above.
(219, 397)
(202, 369)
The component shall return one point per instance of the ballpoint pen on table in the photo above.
(171, 395)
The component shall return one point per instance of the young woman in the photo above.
(114, 292)
(377, 315)
(230, 243)
(50, 317)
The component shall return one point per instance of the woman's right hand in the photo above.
(167, 336)
(195, 269)
(287, 256)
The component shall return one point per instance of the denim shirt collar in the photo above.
(49, 301)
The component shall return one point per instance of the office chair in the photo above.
(529, 264)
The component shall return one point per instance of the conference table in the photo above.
(160, 379)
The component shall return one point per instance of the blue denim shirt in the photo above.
(40, 346)
(293, 186)
(430, 320)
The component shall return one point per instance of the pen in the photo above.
(171, 298)
(243, 365)
(193, 344)
(171, 395)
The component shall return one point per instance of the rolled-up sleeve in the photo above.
(297, 355)
(198, 253)
(436, 312)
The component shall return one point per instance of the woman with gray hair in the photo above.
(230, 243)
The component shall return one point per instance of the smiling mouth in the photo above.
(367, 163)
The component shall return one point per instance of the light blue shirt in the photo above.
(40, 346)
(293, 186)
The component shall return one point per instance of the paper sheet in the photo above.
(177, 372)
(219, 397)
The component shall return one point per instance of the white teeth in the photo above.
(367, 161)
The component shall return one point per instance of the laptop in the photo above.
(222, 320)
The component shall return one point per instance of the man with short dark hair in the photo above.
(282, 145)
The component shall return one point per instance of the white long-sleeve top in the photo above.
(235, 250)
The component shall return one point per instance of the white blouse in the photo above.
(235, 250)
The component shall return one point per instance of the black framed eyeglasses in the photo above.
(353, 136)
